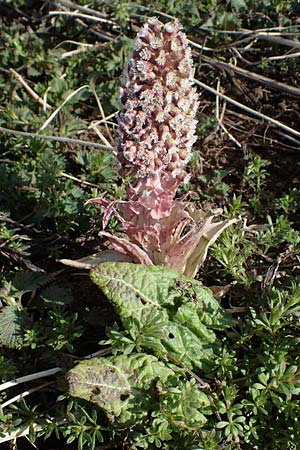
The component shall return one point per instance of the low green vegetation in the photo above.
(176, 367)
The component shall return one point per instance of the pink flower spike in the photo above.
(158, 80)
(155, 137)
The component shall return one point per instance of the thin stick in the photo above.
(218, 103)
(286, 56)
(254, 33)
(103, 117)
(220, 118)
(71, 53)
(103, 138)
(81, 16)
(271, 140)
(105, 351)
(81, 47)
(99, 35)
(23, 394)
(55, 138)
(69, 97)
(71, 177)
(272, 84)
(34, 376)
(13, 435)
(30, 91)
(231, 137)
(290, 138)
(249, 110)
(279, 40)
(201, 47)
(79, 44)
(83, 9)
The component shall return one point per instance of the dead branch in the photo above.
(55, 138)
(272, 84)
(30, 91)
(249, 110)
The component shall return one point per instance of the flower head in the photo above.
(157, 119)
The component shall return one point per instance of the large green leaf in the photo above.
(168, 316)
(119, 384)
(185, 310)
(185, 348)
(128, 388)
(134, 286)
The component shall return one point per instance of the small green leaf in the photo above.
(29, 281)
(238, 4)
(57, 295)
(222, 424)
(12, 324)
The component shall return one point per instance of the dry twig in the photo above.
(54, 138)
(84, 9)
(249, 110)
(34, 376)
(30, 91)
(80, 16)
(71, 177)
(272, 84)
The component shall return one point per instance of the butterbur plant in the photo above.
(170, 323)
(156, 134)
